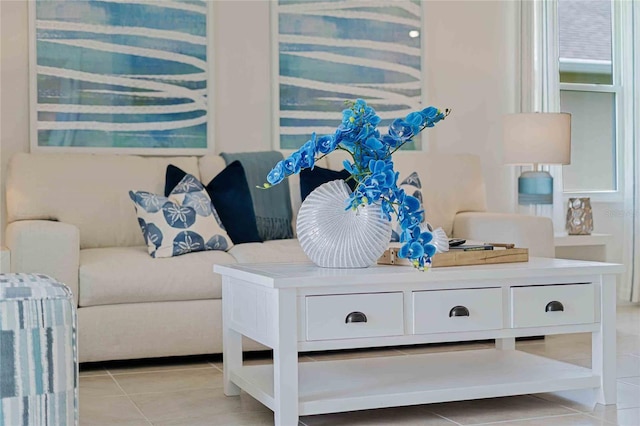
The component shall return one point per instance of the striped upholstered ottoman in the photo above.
(38, 356)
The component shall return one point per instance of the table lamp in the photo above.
(536, 138)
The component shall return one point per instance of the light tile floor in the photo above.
(188, 391)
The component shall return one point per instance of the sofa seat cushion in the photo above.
(270, 251)
(129, 275)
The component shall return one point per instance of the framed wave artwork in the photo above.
(121, 76)
(326, 52)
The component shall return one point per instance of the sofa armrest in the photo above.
(532, 232)
(46, 247)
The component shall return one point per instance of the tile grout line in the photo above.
(442, 417)
(159, 371)
(129, 398)
(588, 413)
(602, 419)
(170, 391)
(300, 422)
(216, 367)
(575, 410)
(622, 380)
(572, 413)
(525, 419)
(94, 373)
(329, 357)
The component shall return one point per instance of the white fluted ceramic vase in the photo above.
(333, 237)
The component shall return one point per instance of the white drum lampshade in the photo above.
(536, 138)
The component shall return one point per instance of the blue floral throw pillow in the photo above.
(181, 223)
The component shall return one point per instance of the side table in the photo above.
(582, 247)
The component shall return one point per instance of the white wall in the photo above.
(14, 89)
(471, 67)
(242, 76)
(608, 218)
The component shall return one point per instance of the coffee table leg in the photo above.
(285, 360)
(231, 345)
(603, 343)
(506, 344)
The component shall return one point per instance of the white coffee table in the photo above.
(300, 307)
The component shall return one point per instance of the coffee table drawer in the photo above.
(441, 311)
(545, 305)
(348, 316)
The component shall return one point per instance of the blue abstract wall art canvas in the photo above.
(337, 50)
(121, 74)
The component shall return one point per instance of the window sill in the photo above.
(596, 196)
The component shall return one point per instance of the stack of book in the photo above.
(471, 247)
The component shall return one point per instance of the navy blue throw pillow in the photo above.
(229, 193)
(311, 179)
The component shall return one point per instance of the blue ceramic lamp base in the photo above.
(535, 187)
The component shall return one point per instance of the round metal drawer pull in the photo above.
(459, 311)
(554, 306)
(355, 317)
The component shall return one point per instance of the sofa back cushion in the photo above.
(88, 191)
(450, 183)
(210, 166)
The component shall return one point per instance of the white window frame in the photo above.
(622, 77)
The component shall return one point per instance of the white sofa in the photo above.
(70, 216)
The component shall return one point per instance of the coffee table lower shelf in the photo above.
(367, 383)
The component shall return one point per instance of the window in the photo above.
(593, 150)
(590, 88)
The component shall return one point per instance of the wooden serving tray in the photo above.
(462, 258)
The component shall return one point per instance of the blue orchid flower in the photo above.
(425, 237)
(276, 174)
(373, 143)
(430, 113)
(429, 250)
(308, 153)
(401, 130)
(410, 203)
(414, 119)
(387, 209)
(349, 120)
(411, 251)
(348, 166)
(431, 116)
(326, 144)
(291, 164)
(391, 141)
